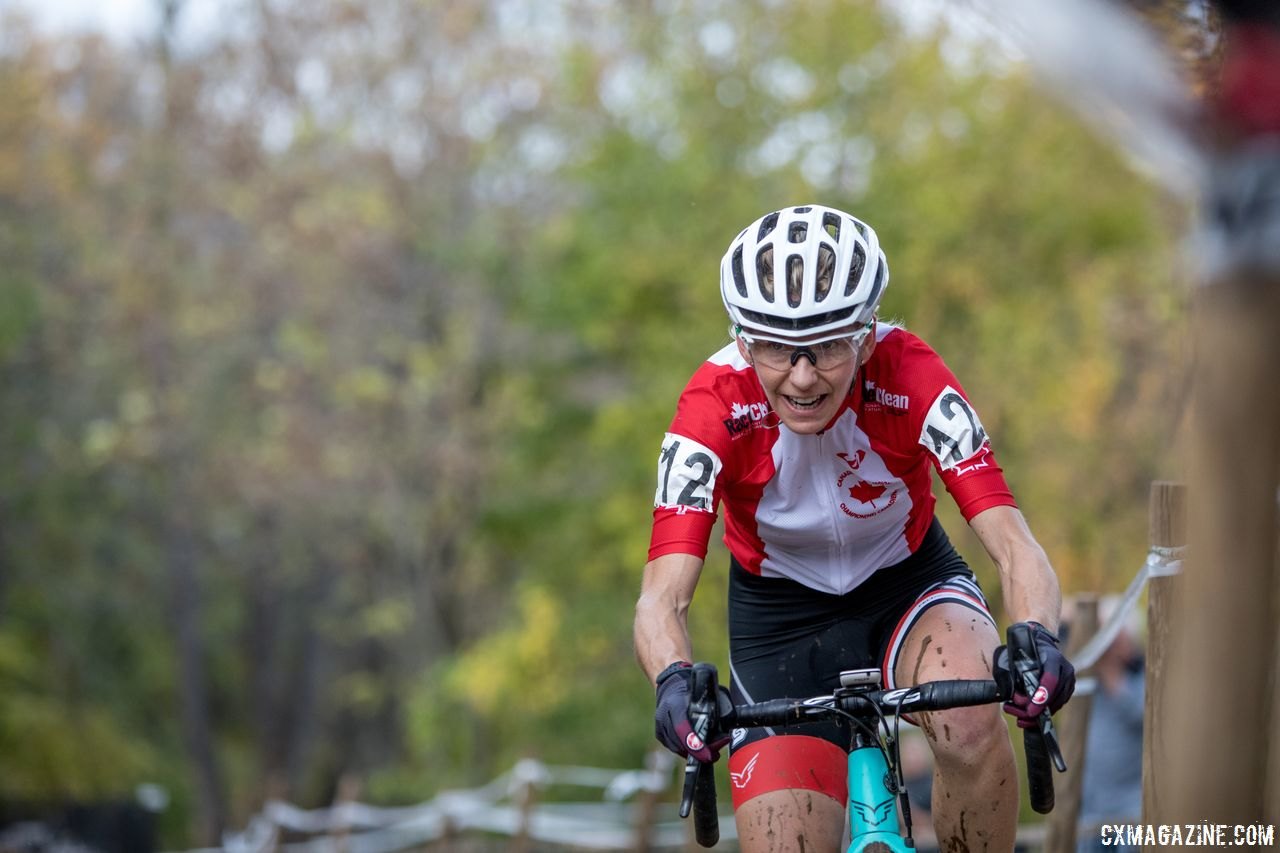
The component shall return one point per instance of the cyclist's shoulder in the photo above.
(722, 402)
(905, 361)
(724, 374)
(896, 344)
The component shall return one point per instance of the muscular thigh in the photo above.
(949, 641)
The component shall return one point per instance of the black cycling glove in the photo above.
(1057, 679)
(672, 724)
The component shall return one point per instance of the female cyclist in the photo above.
(817, 429)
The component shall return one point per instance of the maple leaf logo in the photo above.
(740, 410)
(866, 492)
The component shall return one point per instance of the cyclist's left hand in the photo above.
(1057, 681)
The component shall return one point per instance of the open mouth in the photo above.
(805, 404)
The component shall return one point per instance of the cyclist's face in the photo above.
(805, 396)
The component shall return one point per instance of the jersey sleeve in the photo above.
(690, 472)
(958, 445)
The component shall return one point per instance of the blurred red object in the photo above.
(1248, 100)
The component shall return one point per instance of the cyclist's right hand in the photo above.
(672, 724)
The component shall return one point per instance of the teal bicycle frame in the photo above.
(873, 818)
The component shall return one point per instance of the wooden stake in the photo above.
(1217, 719)
(1073, 728)
(1167, 517)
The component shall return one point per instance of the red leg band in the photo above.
(788, 761)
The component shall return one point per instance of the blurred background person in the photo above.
(1112, 785)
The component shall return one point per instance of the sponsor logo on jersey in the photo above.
(854, 461)
(866, 497)
(877, 397)
(746, 416)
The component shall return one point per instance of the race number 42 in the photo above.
(686, 473)
(952, 431)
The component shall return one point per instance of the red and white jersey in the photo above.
(826, 510)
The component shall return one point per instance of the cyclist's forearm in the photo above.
(661, 627)
(1031, 591)
(1027, 580)
(661, 638)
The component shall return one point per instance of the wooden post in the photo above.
(1073, 727)
(658, 763)
(522, 840)
(1167, 522)
(349, 787)
(1167, 515)
(449, 836)
(1221, 723)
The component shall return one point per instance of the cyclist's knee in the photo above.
(968, 736)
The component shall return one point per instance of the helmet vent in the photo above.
(826, 272)
(857, 264)
(767, 225)
(831, 223)
(739, 277)
(797, 232)
(764, 272)
(874, 298)
(795, 280)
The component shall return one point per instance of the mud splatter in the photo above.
(924, 647)
(927, 726)
(946, 731)
(958, 842)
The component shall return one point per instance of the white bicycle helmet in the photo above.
(806, 306)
